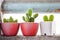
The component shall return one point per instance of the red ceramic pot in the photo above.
(10, 29)
(29, 29)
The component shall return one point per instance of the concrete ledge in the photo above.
(30, 38)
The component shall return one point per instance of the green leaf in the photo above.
(30, 12)
(27, 15)
(24, 18)
(31, 19)
(51, 18)
(16, 20)
(35, 15)
(27, 19)
(5, 20)
(11, 19)
(45, 18)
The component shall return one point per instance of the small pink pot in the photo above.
(10, 29)
(29, 29)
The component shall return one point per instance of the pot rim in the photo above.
(29, 22)
(47, 22)
(10, 22)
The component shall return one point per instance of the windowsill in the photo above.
(30, 38)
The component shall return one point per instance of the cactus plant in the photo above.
(45, 18)
(5, 20)
(11, 25)
(9, 20)
(29, 17)
(51, 18)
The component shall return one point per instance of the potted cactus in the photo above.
(29, 28)
(10, 27)
(46, 26)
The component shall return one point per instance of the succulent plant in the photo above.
(29, 17)
(5, 20)
(51, 18)
(45, 18)
(9, 20)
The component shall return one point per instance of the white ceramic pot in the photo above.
(47, 28)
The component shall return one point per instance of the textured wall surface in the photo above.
(37, 7)
(35, 0)
(31, 38)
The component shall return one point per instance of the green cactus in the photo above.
(9, 20)
(29, 17)
(5, 20)
(30, 12)
(35, 16)
(24, 18)
(45, 18)
(51, 18)
(16, 20)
